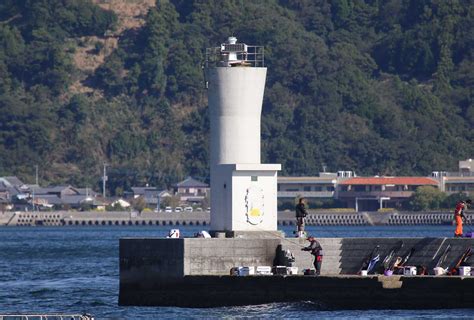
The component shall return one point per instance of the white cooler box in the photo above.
(465, 271)
(246, 271)
(265, 270)
(409, 271)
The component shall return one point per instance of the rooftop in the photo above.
(190, 182)
(418, 181)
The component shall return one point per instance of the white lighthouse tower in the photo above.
(243, 190)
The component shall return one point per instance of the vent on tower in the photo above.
(233, 54)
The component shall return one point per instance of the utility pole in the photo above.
(36, 167)
(104, 180)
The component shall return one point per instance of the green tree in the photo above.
(139, 204)
(426, 198)
(451, 200)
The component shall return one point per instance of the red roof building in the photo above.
(372, 193)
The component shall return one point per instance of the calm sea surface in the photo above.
(76, 270)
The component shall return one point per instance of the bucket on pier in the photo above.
(388, 272)
(465, 271)
(409, 271)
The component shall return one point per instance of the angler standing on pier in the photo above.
(459, 216)
(317, 251)
(301, 213)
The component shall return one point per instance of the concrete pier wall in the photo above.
(195, 272)
(198, 256)
(327, 293)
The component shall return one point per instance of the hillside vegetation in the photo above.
(378, 87)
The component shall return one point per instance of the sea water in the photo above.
(76, 270)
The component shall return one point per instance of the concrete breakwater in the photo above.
(194, 272)
(320, 218)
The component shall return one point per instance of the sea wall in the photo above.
(318, 218)
(195, 272)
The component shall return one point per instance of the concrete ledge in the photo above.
(337, 292)
(194, 272)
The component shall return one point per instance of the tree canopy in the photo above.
(378, 87)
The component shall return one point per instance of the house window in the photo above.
(307, 188)
(254, 178)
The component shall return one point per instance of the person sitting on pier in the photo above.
(459, 216)
(316, 251)
(301, 213)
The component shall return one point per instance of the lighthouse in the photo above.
(243, 190)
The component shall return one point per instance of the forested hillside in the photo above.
(378, 87)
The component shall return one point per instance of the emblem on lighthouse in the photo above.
(254, 205)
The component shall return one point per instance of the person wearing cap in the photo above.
(301, 213)
(459, 216)
(317, 251)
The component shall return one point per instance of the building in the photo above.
(14, 192)
(320, 187)
(373, 193)
(191, 190)
(153, 197)
(65, 197)
(461, 181)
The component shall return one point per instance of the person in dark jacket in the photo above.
(301, 213)
(317, 251)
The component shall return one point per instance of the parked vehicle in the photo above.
(168, 209)
(188, 209)
(178, 209)
(198, 210)
(208, 209)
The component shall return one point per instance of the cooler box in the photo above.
(266, 270)
(409, 271)
(282, 270)
(465, 271)
(292, 270)
(246, 271)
